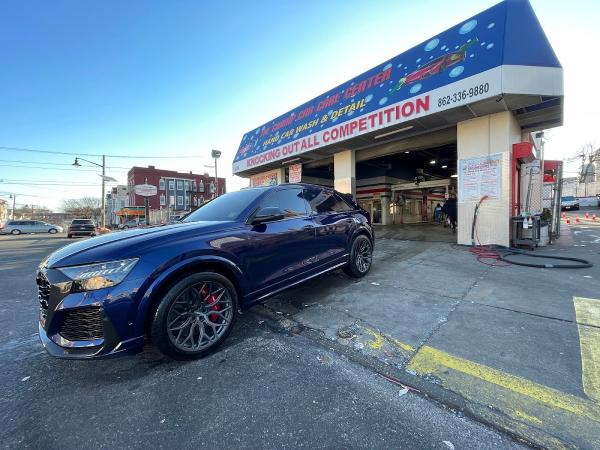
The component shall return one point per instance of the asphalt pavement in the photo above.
(266, 388)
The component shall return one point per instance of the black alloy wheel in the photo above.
(195, 316)
(361, 257)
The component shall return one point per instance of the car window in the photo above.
(323, 201)
(290, 201)
(30, 222)
(226, 207)
(82, 221)
(568, 198)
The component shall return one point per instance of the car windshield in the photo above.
(82, 221)
(568, 198)
(226, 207)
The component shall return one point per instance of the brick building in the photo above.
(177, 191)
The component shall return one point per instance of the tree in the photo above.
(85, 208)
(589, 155)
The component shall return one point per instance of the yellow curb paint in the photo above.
(527, 417)
(430, 361)
(587, 312)
(402, 345)
(378, 342)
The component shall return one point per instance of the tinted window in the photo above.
(82, 221)
(324, 201)
(290, 201)
(12, 222)
(568, 198)
(226, 207)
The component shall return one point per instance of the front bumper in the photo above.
(84, 325)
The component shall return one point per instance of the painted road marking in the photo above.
(587, 312)
(560, 417)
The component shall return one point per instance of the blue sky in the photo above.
(173, 78)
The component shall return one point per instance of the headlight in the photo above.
(98, 276)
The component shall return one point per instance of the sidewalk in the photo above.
(515, 347)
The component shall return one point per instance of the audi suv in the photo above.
(182, 285)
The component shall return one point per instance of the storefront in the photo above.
(438, 120)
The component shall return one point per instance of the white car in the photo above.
(29, 226)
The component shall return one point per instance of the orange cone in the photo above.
(594, 217)
(577, 219)
(587, 215)
(568, 221)
(564, 215)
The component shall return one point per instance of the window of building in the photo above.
(201, 199)
(194, 186)
(187, 185)
(201, 186)
(162, 199)
(161, 184)
(179, 185)
(171, 185)
(212, 187)
(180, 200)
(195, 201)
(172, 200)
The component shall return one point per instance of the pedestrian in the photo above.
(449, 209)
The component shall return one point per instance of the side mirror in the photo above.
(267, 214)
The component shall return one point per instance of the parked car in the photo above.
(82, 227)
(184, 284)
(29, 226)
(132, 224)
(569, 202)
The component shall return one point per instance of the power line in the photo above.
(48, 168)
(59, 164)
(52, 152)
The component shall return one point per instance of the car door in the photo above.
(333, 224)
(282, 250)
(28, 226)
(38, 227)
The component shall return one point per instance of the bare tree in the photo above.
(85, 208)
(588, 155)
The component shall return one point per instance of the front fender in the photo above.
(158, 280)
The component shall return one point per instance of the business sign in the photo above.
(265, 179)
(461, 65)
(479, 177)
(145, 190)
(295, 173)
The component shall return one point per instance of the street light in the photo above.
(216, 154)
(104, 177)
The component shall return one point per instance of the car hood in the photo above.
(127, 244)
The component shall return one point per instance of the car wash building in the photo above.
(457, 114)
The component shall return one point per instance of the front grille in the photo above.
(82, 325)
(43, 290)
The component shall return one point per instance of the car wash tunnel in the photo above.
(455, 119)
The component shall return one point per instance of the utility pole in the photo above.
(12, 213)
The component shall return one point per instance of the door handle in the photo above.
(308, 227)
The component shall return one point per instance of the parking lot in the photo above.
(507, 354)
(267, 387)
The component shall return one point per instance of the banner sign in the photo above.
(265, 179)
(295, 173)
(462, 65)
(480, 176)
(421, 81)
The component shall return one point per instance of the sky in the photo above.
(162, 83)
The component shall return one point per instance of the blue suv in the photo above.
(182, 285)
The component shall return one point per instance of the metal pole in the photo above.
(12, 214)
(103, 199)
(146, 205)
(216, 180)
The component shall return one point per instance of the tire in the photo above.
(192, 307)
(361, 257)
(15, 232)
(52, 231)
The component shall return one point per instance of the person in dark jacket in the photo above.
(449, 209)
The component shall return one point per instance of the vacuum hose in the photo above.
(582, 263)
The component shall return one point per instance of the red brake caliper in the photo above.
(210, 300)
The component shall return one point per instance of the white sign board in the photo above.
(145, 190)
(480, 176)
(295, 173)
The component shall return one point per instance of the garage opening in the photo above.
(405, 192)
